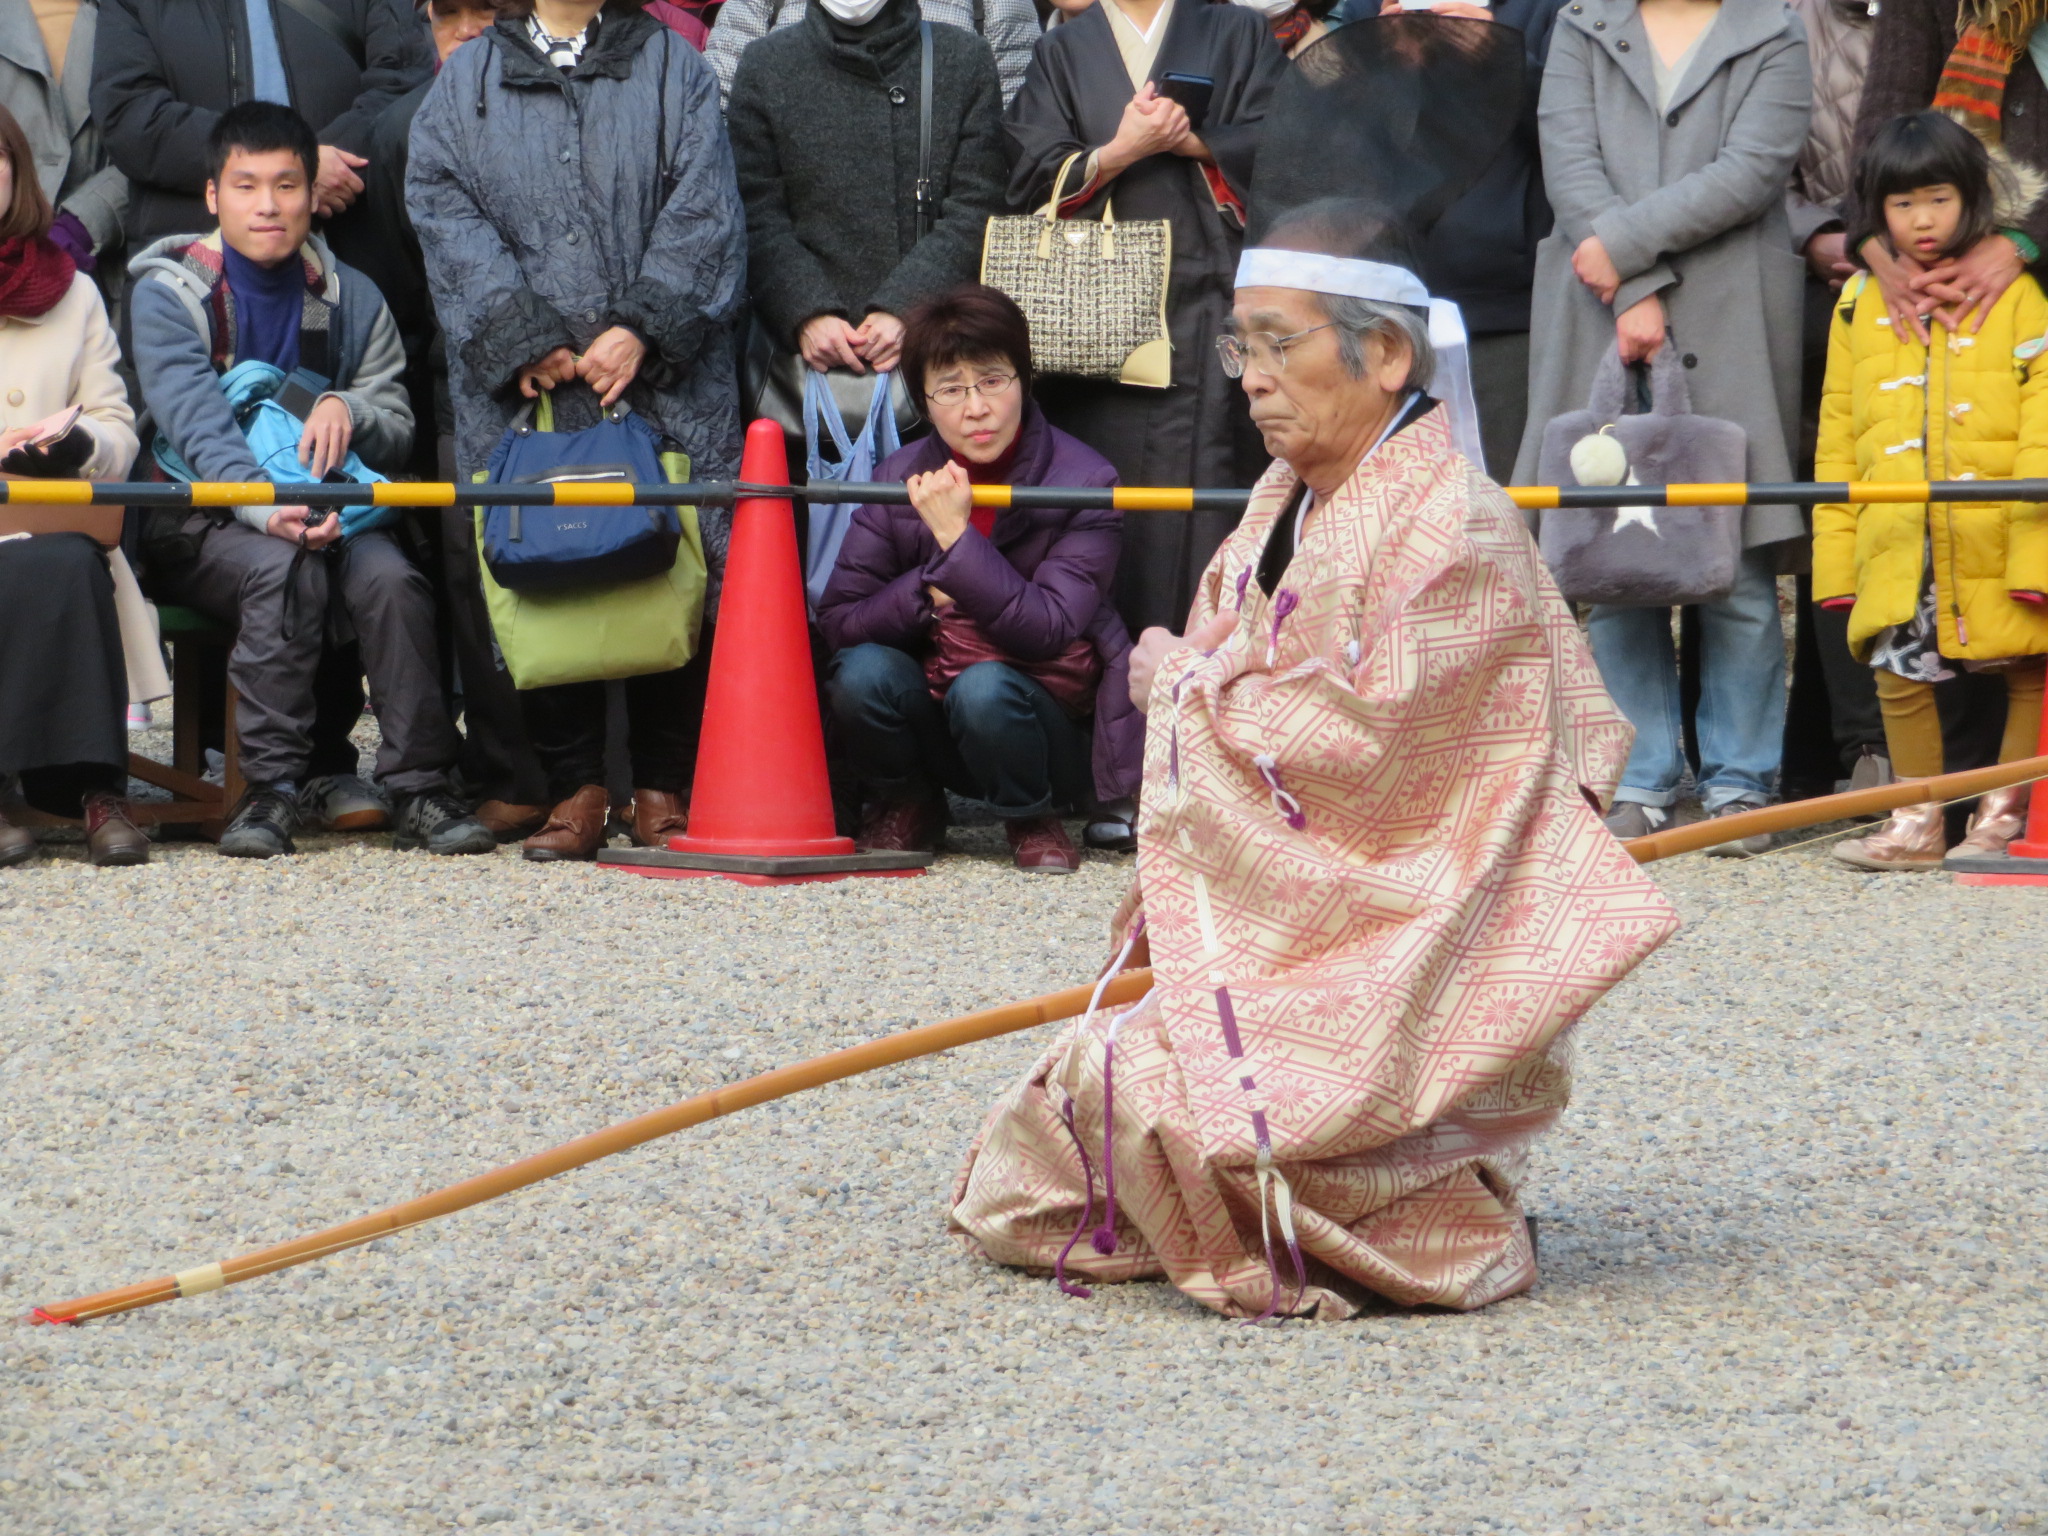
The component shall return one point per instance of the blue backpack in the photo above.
(555, 549)
(273, 434)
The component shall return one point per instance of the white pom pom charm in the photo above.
(1599, 459)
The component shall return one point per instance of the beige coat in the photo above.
(68, 357)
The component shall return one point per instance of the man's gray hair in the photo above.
(1356, 319)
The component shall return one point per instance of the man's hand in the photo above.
(879, 339)
(1827, 257)
(611, 362)
(289, 524)
(336, 184)
(1596, 269)
(945, 502)
(324, 443)
(827, 341)
(1903, 300)
(1968, 285)
(558, 367)
(1639, 329)
(1155, 645)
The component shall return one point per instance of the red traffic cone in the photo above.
(761, 809)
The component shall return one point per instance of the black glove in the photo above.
(59, 460)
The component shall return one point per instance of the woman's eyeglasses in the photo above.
(989, 386)
(1261, 350)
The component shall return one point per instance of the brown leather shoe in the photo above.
(655, 816)
(1040, 843)
(574, 829)
(903, 826)
(111, 839)
(508, 822)
(17, 844)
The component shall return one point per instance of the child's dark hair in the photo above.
(1925, 149)
(261, 128)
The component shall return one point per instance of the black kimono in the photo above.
(1198, 432)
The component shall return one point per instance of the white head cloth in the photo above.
(1383, 283)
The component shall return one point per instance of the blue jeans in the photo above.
(1741, 720)
(997, 736)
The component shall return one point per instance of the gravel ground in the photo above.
(1787, 1284)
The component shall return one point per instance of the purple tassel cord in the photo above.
(1059, 1268)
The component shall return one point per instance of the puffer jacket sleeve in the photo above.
(1033, 617)
(492, 319)
(1834, 458)
(693, 272)
(1012, 29)
(951, 252)
(2026, 545)
(876, 594)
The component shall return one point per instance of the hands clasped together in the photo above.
(1152, 124)
(1639, 329)
(610, 363)
(827, 341)
(1959, 291)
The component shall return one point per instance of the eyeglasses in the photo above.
(1261, 350)
(989, 386)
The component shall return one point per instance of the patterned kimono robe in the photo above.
(1377, 901)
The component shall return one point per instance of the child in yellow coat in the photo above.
(1936, 591)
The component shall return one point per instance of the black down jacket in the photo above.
(164, 70)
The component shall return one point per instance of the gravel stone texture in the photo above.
(1791, 1253)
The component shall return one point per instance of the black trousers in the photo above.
(664, 721)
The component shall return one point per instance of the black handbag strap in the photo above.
(925, 211)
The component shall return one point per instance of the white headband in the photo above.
(1265, 267)
(1380, 282)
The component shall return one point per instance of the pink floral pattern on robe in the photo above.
(1381, 1000)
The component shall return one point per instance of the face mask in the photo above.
(855, 13)
(1272, 10)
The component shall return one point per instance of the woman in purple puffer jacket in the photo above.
(975, 649)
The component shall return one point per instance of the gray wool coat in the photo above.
(825, 138)
(1690, 203)
(542, 213)
(71, 159)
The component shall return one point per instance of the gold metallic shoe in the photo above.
(1914, 838)
(2000, 817)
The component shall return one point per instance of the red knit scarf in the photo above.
(34, 275)
(1989, 38)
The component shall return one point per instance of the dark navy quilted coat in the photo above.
(552, 206)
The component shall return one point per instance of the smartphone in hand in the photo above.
(1193, 93)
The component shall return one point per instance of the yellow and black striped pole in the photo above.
(716, 493)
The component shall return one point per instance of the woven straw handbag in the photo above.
(1094, 292)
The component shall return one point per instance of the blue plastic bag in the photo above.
(558, 549)
(857, 460)
(273, 434)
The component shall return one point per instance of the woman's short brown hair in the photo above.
(29, 213)
(972, 323)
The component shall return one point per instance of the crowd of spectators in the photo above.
(406, 227)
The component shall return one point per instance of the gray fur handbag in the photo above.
(1646, 556)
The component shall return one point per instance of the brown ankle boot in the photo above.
(17, 844)
(574, 829)
(508, 822)
(111, 839)
(1914, 838)
(657, 816)
(2000, 817)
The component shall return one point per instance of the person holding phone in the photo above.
(1120, 86)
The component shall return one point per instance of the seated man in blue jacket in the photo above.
(261, 287)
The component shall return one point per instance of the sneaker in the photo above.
(1040, 844)
(1741, 847)
(1629, 819)
(262, 824)
(903, 826)
(139, 718)
(439, 823)
(341, 802)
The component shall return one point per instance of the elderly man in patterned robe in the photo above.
(1372, 877)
